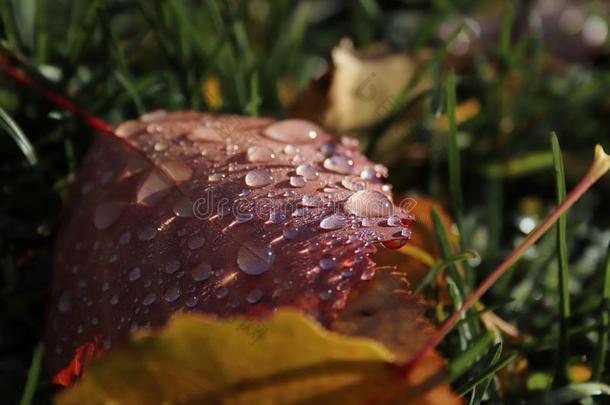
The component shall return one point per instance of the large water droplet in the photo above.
(308, 171)
(152, 189)
(291, 232)
(106, 214)
(207, 134)
(297, 181)
(258, 178)
(147, 233)
(260, 153)
(353, 183)
(292, 131)
(128, 128)
(394, 220)
(339, 164)
(254, 258)
(178, 171)
(333, 222)
(172, 266)
(369, 203)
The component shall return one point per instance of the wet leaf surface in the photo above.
(222, 215)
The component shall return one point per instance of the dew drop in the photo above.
(160, 146)
(195, 242)
(192, 302)
(328, 263)
(394, 220)
(254, 258)
(259, 153)
(297, 181)
(258, 178)
(300, 212)
(128, 128)
(369, 203)
(107, 214)
(178, 171)
(222, 292)
(353, 183)
(125, 238)
(149, 299)
(242, 217)
(254, 296)
(277, 217)
(406, 232)
(308, 171)
(202, 272)
(339, 164)
(333, 222)
(291, 150)
(207, 134)
(291, 232)
(114, 300)
(135, 274)
(172, 294)
(312, 201)
(324, 295)
(152, 189)
(172, 266)
(292, 131)
(216, 177)
(147, 233)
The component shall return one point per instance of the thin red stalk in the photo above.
(60, 101)
(590, 177)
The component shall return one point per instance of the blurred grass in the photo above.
(117, 58)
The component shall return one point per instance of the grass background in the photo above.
(117, 59)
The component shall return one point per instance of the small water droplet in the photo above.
(161, 146)
(128, 128)
(192, 302)
(277, 217)
(254, 258)
(291, 150)
(135, 274)
(147, 233)
(333, 222)
(368, 173)
(153, 189)
(149, 298)
(254, 296)
(325, 294)
(394, 220)
(300, 212)
(406, 232)
(216, 177)
(195, 242)
(222, 292)
(297, 181)
(172, 266)
(258, 178)
(328, 263)
(207, 134)
(339, 164)
(114, 300)
(291, 232)
(125, 238)
(259, 153)
(202, 272)
(353, 183)
(312, 201)
(172, 294)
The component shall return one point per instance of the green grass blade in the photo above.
(604, 322)
(562, 248)
(487, 374)
(255, 98)
(440, 266)
(462, 363)
(33, 375)
(11, 128)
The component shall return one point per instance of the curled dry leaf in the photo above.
(221, 215)
(362, 88)
(197, 360)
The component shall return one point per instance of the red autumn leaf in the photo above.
(222, 215)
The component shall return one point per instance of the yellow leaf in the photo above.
(287, 358)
